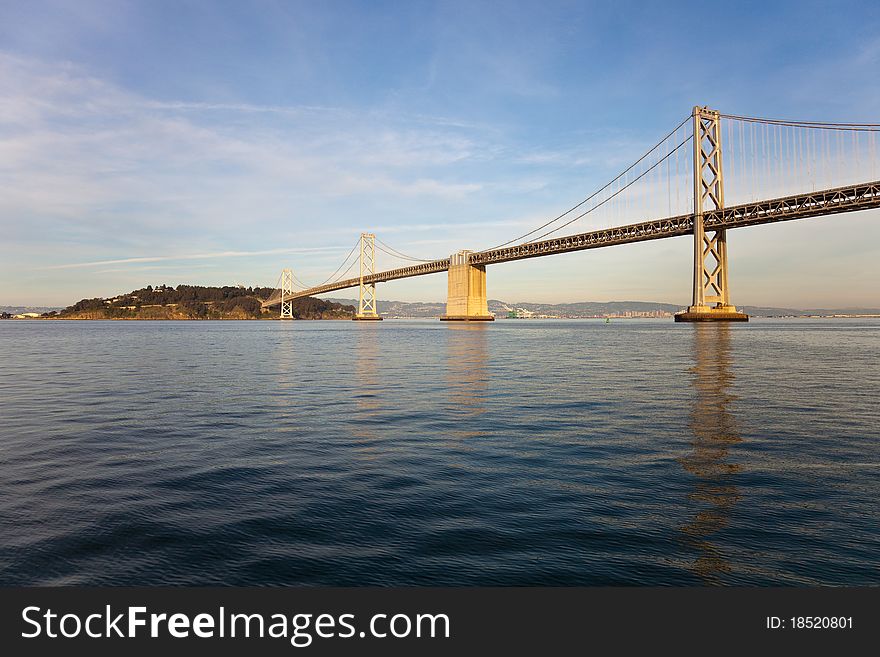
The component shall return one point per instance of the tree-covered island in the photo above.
(198, 302)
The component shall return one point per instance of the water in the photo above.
(420, 453)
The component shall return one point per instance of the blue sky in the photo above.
(217, 142)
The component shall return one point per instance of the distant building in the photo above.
(630, 314)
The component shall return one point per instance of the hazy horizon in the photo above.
(334, 296)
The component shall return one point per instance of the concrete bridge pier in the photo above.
(466, 295)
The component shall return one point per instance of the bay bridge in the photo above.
(776, 170)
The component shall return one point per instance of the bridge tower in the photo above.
(466, 292)
(286, 290)
(710, 251)
(367, 303)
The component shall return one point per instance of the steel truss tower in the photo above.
(367, 302)
(710, 250)
(286, 291)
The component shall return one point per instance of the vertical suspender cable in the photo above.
(765, 147)
(856, 149)
(728, 150)
(813, 159)
(873, 158)
(742, 158)
(669, 180)
(677, 180)
(754, 165)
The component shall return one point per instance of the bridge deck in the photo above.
(864, 196)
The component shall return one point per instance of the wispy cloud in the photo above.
(85, 162)
(72, 145)
(196, 256)
(165, 268)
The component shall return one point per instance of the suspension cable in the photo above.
(599, 205)
(597, 192)
(857, 127)
(298, 281)
(397, 256)
(342, 277)
(394, 252)
(329, 278)
(277, 288)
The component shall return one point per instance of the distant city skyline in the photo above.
(215, 143)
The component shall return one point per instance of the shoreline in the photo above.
(343, 319)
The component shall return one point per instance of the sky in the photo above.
(215, 143)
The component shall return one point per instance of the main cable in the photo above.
(820, 125)
(389, 250)
(342, 277)
(599, 205)
(298, 281)
(598, 191)
(329, 278)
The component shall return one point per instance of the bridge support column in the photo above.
(367, 303)
(286, 289)
(711, 300)
(466, 295)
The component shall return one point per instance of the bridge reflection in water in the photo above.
(367, 391)
(714, 433)
(467, 375)
(288, 383)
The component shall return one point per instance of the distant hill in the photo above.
(585, 309)
(197, 302)
(760, 311)
(239, 302)
(401, 308)
(501, 308)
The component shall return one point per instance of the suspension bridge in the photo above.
(774, 170)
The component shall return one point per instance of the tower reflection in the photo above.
(367, 391)
(714, 431)
(467, 375)
(287, 384)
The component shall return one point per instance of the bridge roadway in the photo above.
(864, 196)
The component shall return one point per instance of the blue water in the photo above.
(423, 453)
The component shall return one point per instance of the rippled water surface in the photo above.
(417, 452)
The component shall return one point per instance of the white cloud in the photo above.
(72, 146)
(90, 169)
(197, 256)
